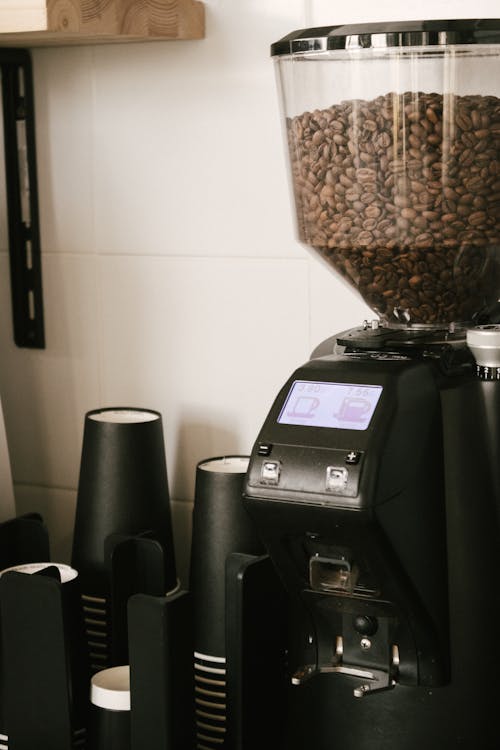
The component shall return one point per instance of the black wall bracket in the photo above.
(22, 197)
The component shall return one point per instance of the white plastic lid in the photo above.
(226, 465)
(110, 689)
(124, 416)
(65, 571)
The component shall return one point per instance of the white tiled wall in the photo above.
(171, 274)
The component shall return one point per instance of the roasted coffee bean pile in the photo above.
(401, 194)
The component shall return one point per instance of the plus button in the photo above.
(353, 457)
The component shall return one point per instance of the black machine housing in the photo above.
(384, 531)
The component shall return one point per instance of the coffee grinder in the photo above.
(375, 480)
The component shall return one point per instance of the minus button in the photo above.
(264, 449)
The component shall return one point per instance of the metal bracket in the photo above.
(375, 680)
(22, 197)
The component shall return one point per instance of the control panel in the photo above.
(314, 445)
(315, 471)
(337, 433)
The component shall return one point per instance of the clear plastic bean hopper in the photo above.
(393, 138)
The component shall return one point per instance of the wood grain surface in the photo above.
(92, 21)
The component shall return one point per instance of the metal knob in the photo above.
(484, 343)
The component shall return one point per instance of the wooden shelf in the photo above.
(36, 23)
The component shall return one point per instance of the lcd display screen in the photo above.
(345, 406)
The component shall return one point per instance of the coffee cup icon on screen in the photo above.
(353, 409)
(304, 407)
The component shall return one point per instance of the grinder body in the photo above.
(374, 487)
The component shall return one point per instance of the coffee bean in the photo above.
(415, 282)
(463, 121)
(476, 118)
(346, 181)
(407, 214)
(366, 175)
(431, 115)
(383, 140)
(364, 238)
(449, 193)
(423, 240)
(477, 217)
(373, 212)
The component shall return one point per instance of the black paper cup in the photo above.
(122, 487)
(110, 709)
(44, 651)
(221, 526)
(122, 492)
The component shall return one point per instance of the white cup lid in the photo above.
(110, 688)
(65, 571)
(226, 464)
(124, 416)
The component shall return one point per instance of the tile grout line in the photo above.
(96, 254)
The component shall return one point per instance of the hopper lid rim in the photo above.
(388, 35)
